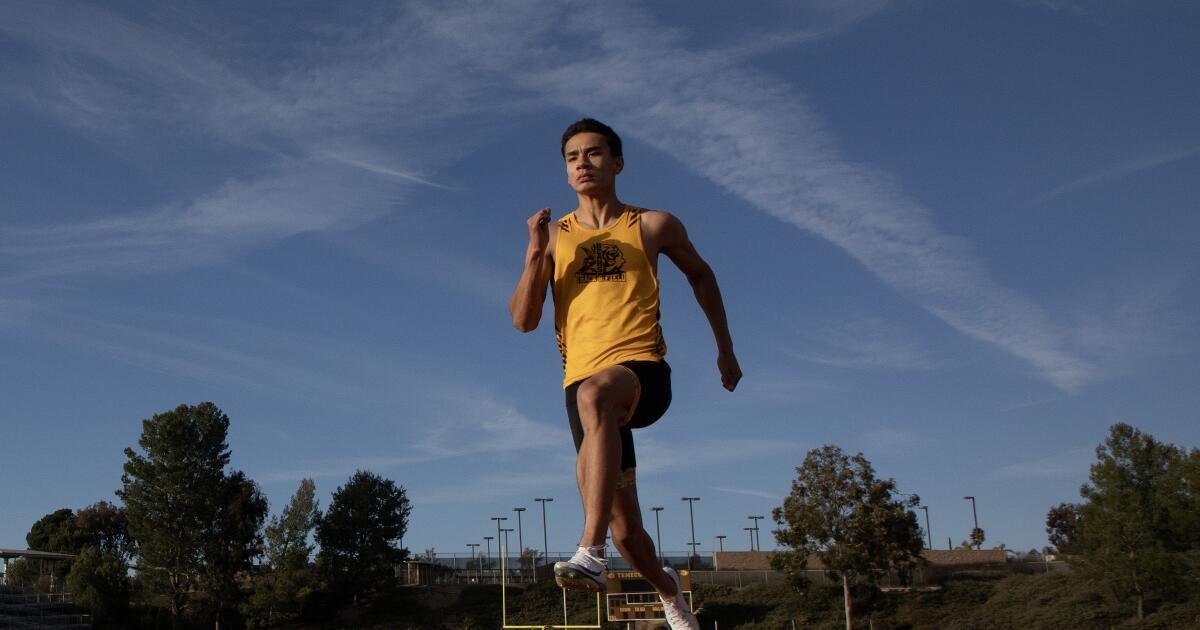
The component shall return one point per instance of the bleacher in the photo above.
(39, 610)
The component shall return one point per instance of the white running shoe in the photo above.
(679, 614)
(582, 572)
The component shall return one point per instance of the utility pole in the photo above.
(545, 538)
(974, 518)
(658, 535)
(692, 521)
(500, 546)
(928, 532)
(721, 541)
(756, 519)
(473, 547)
(520, 539)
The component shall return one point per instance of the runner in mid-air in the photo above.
(601, 262)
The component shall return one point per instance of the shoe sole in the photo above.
(573, 580)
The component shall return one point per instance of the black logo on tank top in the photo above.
(602, 262)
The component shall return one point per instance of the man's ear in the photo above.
(620, 159)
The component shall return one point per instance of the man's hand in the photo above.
(731, 373)
(539, 230)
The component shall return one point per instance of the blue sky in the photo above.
(960, 238)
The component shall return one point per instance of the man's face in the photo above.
(591, 167)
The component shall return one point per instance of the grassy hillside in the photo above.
(1057, 600)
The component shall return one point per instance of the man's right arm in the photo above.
(527, 299)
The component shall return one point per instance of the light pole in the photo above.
(505, 551)
(974, 518)
(498, 519)
(489, 551)
(473, 547)
(721, 541)
(928, 532)
(545, 538)
(658, 534)
(520, 539)
(756, 519)
(692, 521)
(750, 530)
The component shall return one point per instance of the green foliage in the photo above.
(231, 543)
(359, 532)
(98, 582)
(21, 573)
(56, 532)
(106, 527)
(977, 537)
(859, 526)
(195, 526)
(1137, 520)
(1063, 527)
(280, 593)
(529, 558)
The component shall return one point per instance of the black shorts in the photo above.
(654, 380)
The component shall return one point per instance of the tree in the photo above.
(279, 594)
(232, 541)
(359, 532)
(860, 527)
(1063, 523)
(1137, 518)
(194, 525)
(977, 537)
(21, 573)
(105, 526)
(529, 558)
(98, 581)
(56, 532)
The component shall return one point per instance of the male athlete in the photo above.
(601, 262)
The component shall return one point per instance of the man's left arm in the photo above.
(673, 241)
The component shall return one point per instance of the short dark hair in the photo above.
(594, 126)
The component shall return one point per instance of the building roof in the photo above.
(32, 554)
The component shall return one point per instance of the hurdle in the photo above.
(504, 605)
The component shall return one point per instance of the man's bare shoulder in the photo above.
(660, 223)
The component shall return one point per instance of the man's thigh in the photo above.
(615, 390)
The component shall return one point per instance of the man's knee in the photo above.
(599, 402)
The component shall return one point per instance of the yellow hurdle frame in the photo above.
(504, 604)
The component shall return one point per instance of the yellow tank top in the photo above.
(605, 297)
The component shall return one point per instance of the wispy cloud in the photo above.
(492, 487)
(731, 124)
(1118, 171)
(774, 496)
(655, 456)
(1072, 463)
(889, 441)
(455, 72)
(785, 386)
(299, 198)
(318, 143)
(863, 343)
(445, 418)
(14, 313)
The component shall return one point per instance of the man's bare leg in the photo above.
(634, 543)
(605, 401)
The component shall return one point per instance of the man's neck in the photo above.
(597, 212)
